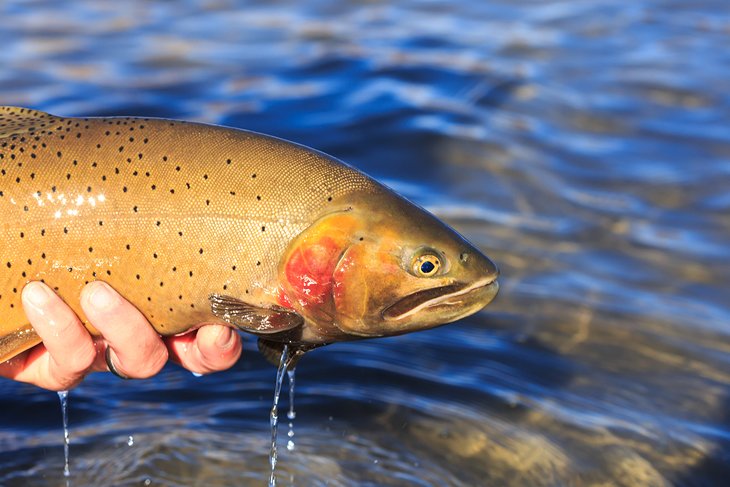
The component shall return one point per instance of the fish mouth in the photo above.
(453, 297)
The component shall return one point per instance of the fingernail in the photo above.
(103, 297)
(37, 294)
(225, 338)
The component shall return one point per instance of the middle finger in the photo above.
(136, 349)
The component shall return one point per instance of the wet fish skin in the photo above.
(197, 223)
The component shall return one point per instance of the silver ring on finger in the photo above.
(113, 368)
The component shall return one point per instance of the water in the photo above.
(583, 145)
(291, 414)
(274, 415)
(63, 397)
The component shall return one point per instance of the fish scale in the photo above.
(167, 212)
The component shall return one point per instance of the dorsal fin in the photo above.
(16, 121)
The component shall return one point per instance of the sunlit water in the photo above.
(583, 145)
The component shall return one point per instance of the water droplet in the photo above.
(291, 414)
(130, 440)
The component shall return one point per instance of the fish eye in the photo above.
(426, 265)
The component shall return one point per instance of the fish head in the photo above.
(381, 267)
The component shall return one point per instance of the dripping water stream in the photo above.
(291, 414)
(63, 396)
(274, 417)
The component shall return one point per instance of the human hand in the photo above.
(69, 352)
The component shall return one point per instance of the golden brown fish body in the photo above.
(197, 223)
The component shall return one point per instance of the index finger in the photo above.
(67, 351)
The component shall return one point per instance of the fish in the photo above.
(196, 223)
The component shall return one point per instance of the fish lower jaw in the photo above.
(471, 298)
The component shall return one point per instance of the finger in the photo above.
(136, 349)
(67, 351)
(210, 348)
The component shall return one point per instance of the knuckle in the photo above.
(214, 359)
(151, 366)
(81, 360)
(60, 381)
(65, 321)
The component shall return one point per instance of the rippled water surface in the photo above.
(584, 145)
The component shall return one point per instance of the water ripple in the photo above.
(583, 145)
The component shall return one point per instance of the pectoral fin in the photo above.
(254, 319)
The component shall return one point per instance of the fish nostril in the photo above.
(463, 257)
(494, 271)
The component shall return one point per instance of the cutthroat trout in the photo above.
(197, 223)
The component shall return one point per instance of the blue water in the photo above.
(584, 145)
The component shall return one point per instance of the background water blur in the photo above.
(584, 145)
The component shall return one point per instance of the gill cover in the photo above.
(308, 267)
